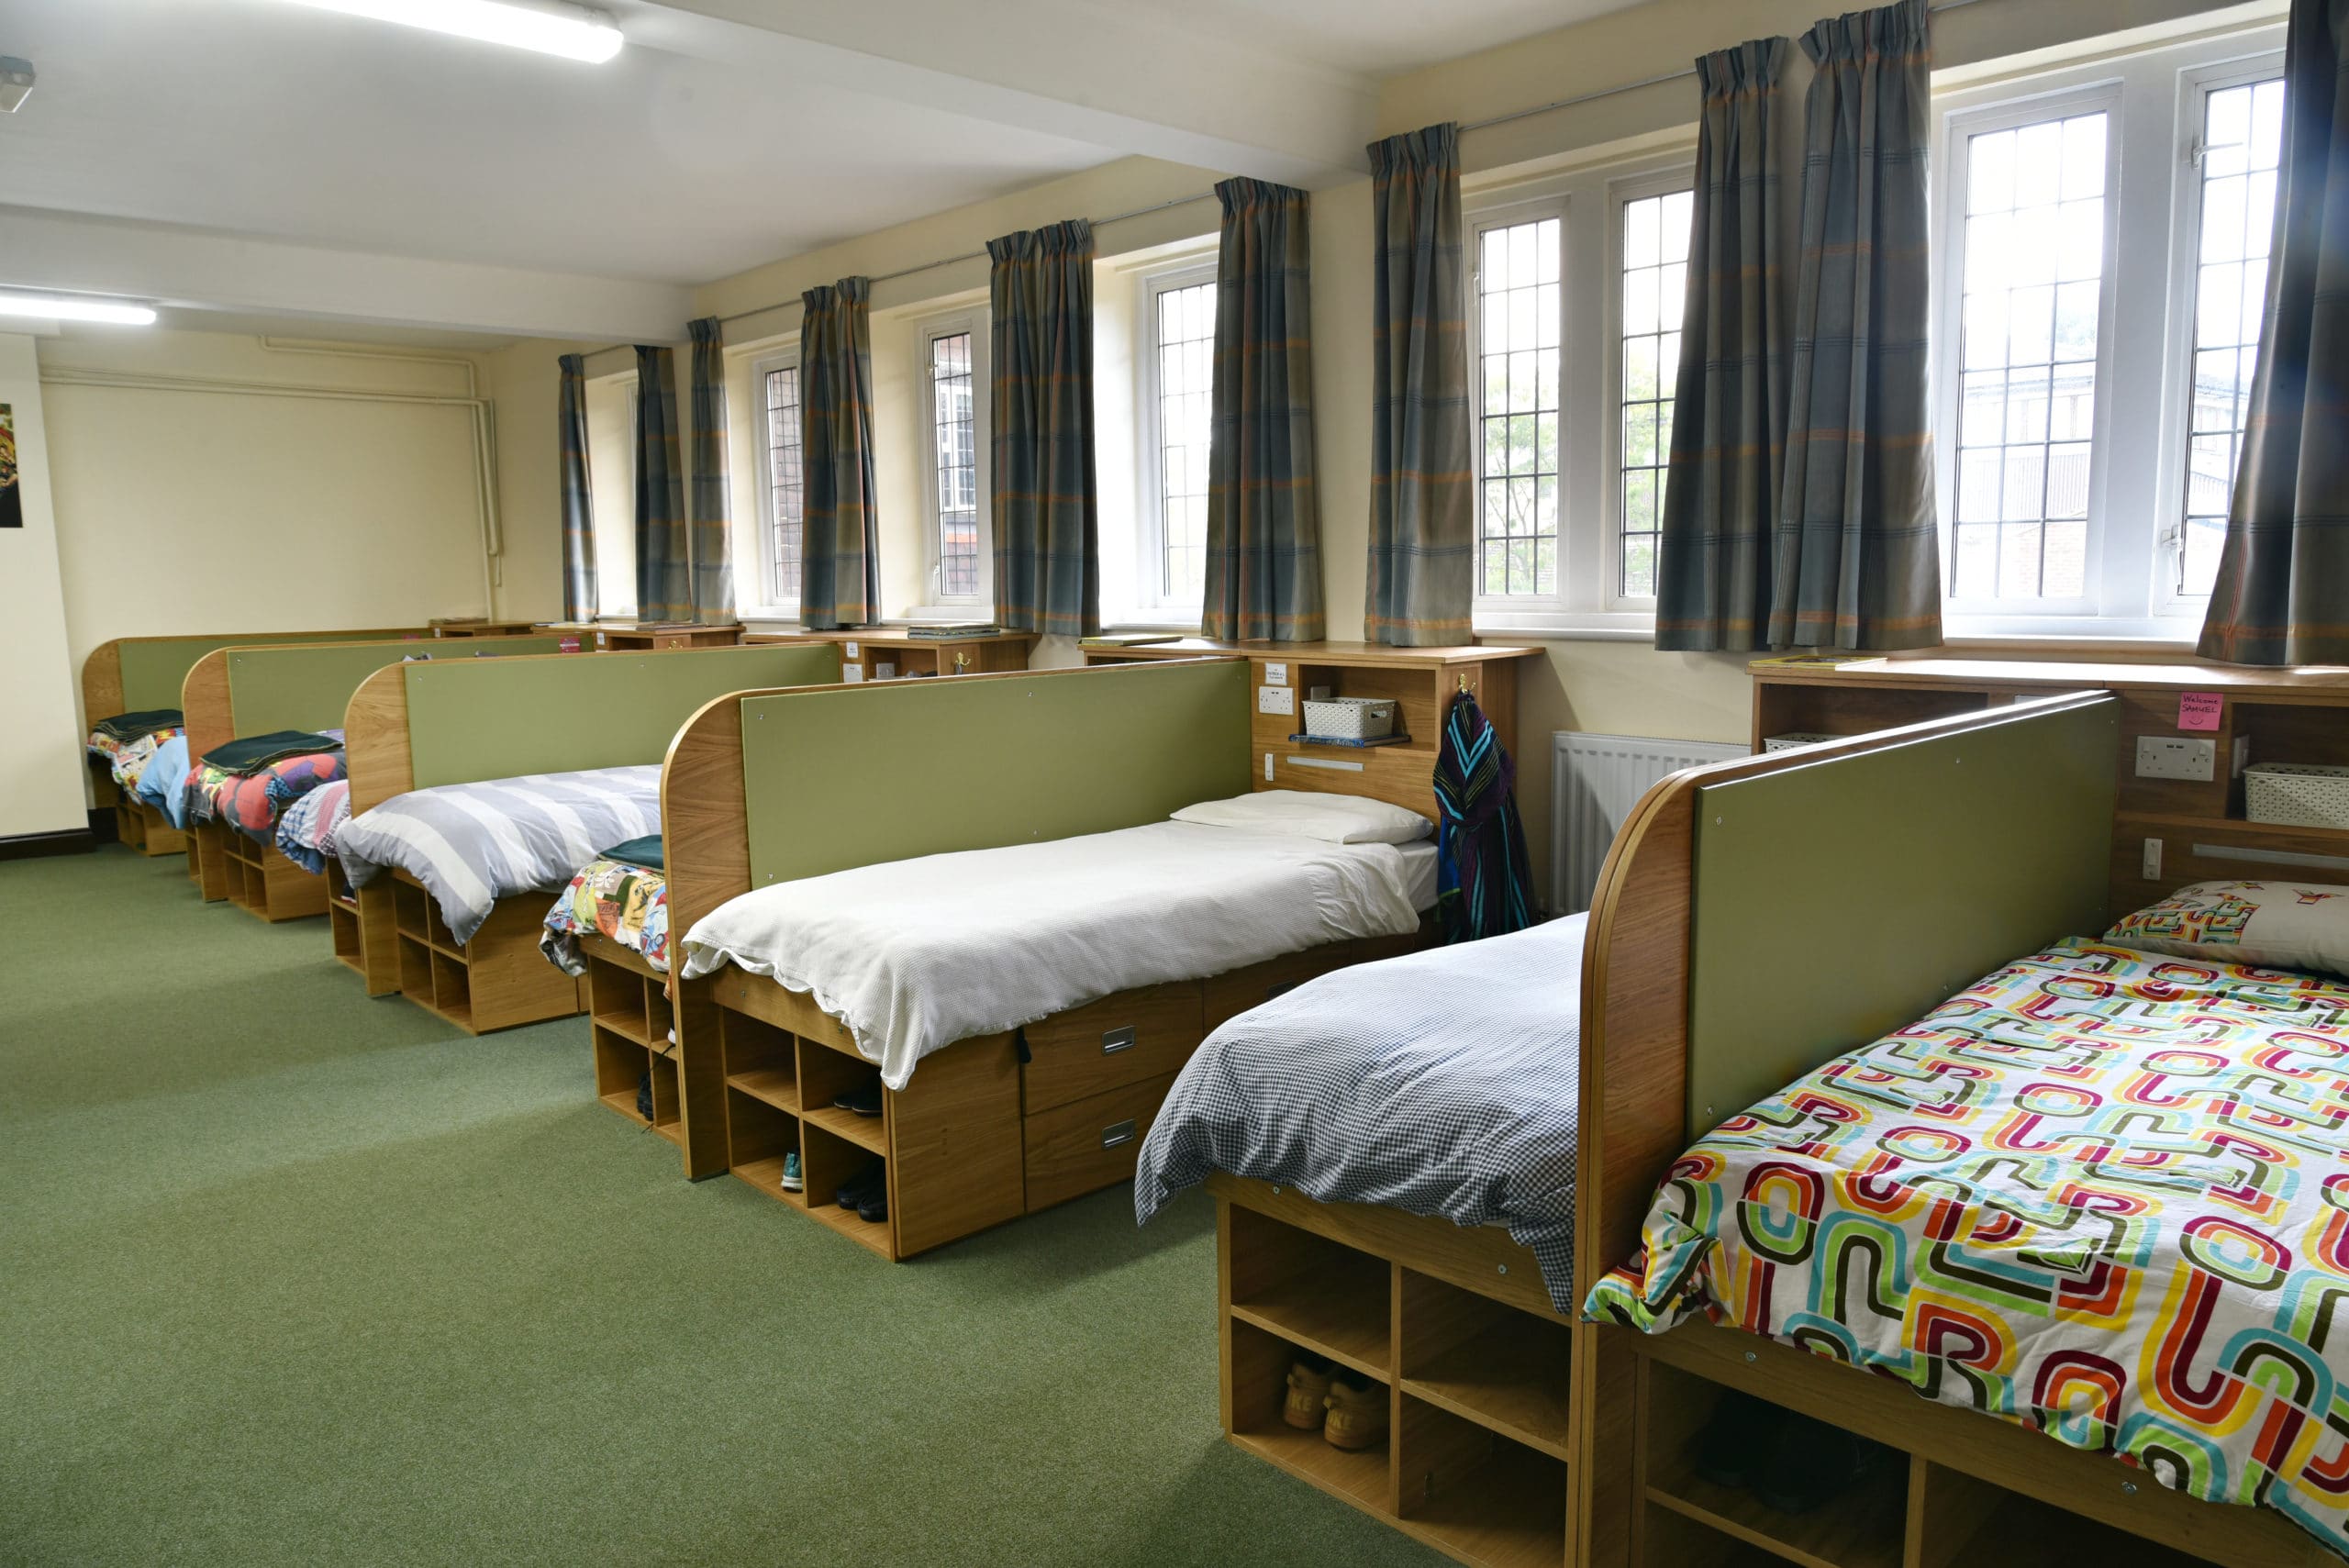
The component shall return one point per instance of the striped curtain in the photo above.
(578, 497)
(664, 580)
(2282, 592)
(1264, 550)
(1046, 503)
(713, 576)
(1857, 559)
(1422, 508)
(840, 531)
(1728, 411)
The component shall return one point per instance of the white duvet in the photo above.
(914, 956)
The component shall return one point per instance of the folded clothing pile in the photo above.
(128, 741)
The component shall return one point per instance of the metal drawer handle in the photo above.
(1116, 1040)
(1116, 1133)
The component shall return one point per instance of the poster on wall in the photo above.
(12, 500)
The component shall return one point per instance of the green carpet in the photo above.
(290, 1276)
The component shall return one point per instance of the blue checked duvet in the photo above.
(1440, 1084)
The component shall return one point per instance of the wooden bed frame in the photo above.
(993, 1127)
(255, 876)
(553, 719)
(137, 824)
(1966, 1490)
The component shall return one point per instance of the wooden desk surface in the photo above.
(2324, 680)
(1357, 653)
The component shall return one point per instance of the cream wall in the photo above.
(41, 765)
(207, 482)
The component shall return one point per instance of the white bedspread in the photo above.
(914, 956)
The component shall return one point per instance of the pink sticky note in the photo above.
(2199, 710)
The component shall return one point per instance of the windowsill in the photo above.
(1149, 620)
(1963, 633)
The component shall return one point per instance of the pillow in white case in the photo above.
(1333, 818)
(2270, 925)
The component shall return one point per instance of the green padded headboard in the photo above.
(498, 718)
(153, 669)
(1836, 902)
(885, 772)
(298, 687)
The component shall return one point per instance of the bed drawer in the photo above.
(1077, 1148)
(1108, 1044)
(1235, 991)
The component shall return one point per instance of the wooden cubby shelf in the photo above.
(257, 877)
(145, 828)
(496, 980)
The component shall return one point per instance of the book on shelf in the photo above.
(1350, 740)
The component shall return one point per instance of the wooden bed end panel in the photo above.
(204, 704)
(375, 739)
(704, 833)
(102, 683)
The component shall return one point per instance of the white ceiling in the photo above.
(1380, 38)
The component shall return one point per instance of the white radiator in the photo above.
(1595, 780)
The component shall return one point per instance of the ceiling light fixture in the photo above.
(573, 32)
(74, 308)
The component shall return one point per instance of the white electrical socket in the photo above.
(2152, 865)
(1276, 699)
(2176, 757)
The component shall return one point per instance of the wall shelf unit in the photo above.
(892, 653)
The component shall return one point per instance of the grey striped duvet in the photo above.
(472, 844)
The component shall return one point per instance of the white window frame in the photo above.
(1958, 127)
(1149, 517)
(926, 332)
(770, 596)
(1496, 609)
(1621, 194)
(2195, 85)
(2144, 378)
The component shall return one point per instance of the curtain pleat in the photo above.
(2281, 596)
(578, 495)
(712, 538)
(1856, 556)
(841, 555)
(663, 581)
(1729, 415)
(1420, 576)
(1264, 550)
(1042, 479)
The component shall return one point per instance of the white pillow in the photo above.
(1333, 818)
(2269, 925)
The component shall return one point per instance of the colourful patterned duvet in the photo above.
(609, 898)
(126, 760)
(2102, 1193)
(251, 803)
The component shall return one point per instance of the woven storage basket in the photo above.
(1351, 718)
(2296, 794)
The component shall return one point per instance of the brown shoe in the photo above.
(1357, 1418)
(1308, 1390)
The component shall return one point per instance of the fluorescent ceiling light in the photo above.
(71, 308)
(572, 31)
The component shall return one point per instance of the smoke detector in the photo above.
(16, 83)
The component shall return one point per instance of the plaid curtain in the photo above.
(1047, 506)
(1264, 550)
(713, 576)
(2282, 592)
(1857, 556)
(664, 581)
(840, 531)
(1729, 410)
(578, 502)
(1422, 510)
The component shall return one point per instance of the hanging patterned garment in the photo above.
(1484, 882)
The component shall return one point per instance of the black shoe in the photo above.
(875, 1207)
(1730, 1449)
(1807, 1464)
(872, 1178)
(865, 1100)
(644, 1095)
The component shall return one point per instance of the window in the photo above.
(2101, 272)
(2032, 249)
(611, 479)
(1655, 260)
(2238, 148)
(1176, 419)
(951, 372)
(780, 476)
(1517, 333)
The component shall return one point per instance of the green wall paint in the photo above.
(885, 773)
(499, 719)
(298, 687)
(1838, 902)
(154, 669)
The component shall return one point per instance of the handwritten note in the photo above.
(2199, 710)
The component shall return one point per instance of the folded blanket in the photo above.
(251, 803)
(257, 752)
(128, 727)
(644, 852)
(306, 832)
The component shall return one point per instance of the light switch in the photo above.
(2153, 860)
